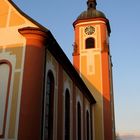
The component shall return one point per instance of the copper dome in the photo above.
(91, 13)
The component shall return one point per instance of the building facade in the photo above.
(42, 96)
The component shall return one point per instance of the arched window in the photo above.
(67, 115)
(4, 94)
(87, 124)
(90, 43)
(79, 121)
(49, 101)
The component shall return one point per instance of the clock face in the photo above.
(89, 30)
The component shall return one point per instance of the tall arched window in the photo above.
(67, 115)
(79, 121)
(5, 78)
(48, 134)
(90, 43)
(87, 124)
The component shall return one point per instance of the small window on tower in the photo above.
(90, 43)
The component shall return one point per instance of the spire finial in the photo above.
(91, 4)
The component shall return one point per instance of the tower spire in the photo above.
(91, 4)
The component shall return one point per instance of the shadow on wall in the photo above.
(103, 111)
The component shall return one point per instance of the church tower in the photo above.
(92, 60)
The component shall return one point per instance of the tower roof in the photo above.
(91, 11)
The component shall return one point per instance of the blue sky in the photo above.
(58, 17)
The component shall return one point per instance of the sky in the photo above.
(124, 18)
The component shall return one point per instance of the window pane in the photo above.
(48, 132)
(67, 115)
(87, 118)
(79, 121)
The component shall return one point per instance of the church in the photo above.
(42, 95)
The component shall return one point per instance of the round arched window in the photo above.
(90, 43)
(49, 101)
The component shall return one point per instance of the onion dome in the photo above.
(91, 11)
